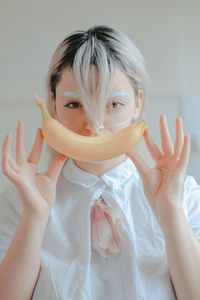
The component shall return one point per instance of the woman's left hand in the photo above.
(163, 184)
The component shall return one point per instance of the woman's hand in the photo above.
(37, 191)
(163, 184)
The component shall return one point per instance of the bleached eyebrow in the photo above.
(117, 93)
(71, 94)
(113, 94)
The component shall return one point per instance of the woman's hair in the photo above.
(100, 47)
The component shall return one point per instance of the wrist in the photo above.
(167, 213)
(35, 219)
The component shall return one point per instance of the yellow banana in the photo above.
(86, 148)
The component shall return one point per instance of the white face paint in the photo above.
(119, 124)
(112, 95)
(71, 94)
(118, 93)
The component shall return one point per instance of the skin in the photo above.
(163, 183)
(74, 117)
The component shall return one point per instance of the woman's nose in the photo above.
(92, 128)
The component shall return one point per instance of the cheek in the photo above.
(69, 119)
(131, 106)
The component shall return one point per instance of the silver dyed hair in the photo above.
(100, 47)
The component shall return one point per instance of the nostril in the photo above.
(91, 131)
(95, 127)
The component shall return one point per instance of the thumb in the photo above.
(139, 162)
(56, 166)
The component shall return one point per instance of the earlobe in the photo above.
(140, 97)
(138, 103)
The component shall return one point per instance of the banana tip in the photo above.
(145, 124)
(37, 99)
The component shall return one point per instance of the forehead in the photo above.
(119, 82)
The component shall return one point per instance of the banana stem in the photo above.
(42, 105)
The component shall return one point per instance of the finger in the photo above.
(11, 169)
(9, 166)
(56, 166)
(6, 148)
(8, 171)
(13, 165)
(184, 157)
(6, 151)
(36, 151)
(152, 147)
(139, 162)
(166, 142)
(179, 138)
(20, 143)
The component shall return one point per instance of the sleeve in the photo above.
(10, 214)
(191, 204)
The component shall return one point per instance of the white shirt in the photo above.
(70, 268)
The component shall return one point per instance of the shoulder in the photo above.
(9, 217)
(190, 183)
(191, 190)
(191, 200)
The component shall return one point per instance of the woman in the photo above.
(114, 229)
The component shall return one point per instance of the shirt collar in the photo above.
(113, 177)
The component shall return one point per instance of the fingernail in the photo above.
(10, 136)
(164, 117)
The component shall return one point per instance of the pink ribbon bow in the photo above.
(107, 232)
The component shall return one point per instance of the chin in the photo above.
(98, 168)
(107, 161)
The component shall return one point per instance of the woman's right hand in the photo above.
(37, 191)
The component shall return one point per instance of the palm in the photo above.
(36, 186)
(163, 184)
(37, 191)
(164, 181)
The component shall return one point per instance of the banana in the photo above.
(86, 148)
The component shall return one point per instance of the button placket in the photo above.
(96, 191)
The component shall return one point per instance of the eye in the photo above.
(114, 105)
(73, 104)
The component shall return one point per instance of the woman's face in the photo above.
(121, 105)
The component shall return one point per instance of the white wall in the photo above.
(165, 31)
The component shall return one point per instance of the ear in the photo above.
(138, 103)
(53, 105)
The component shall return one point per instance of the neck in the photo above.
(99, 168)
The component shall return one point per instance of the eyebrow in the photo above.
(117, 93)
(71, 94)
(113, 94)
